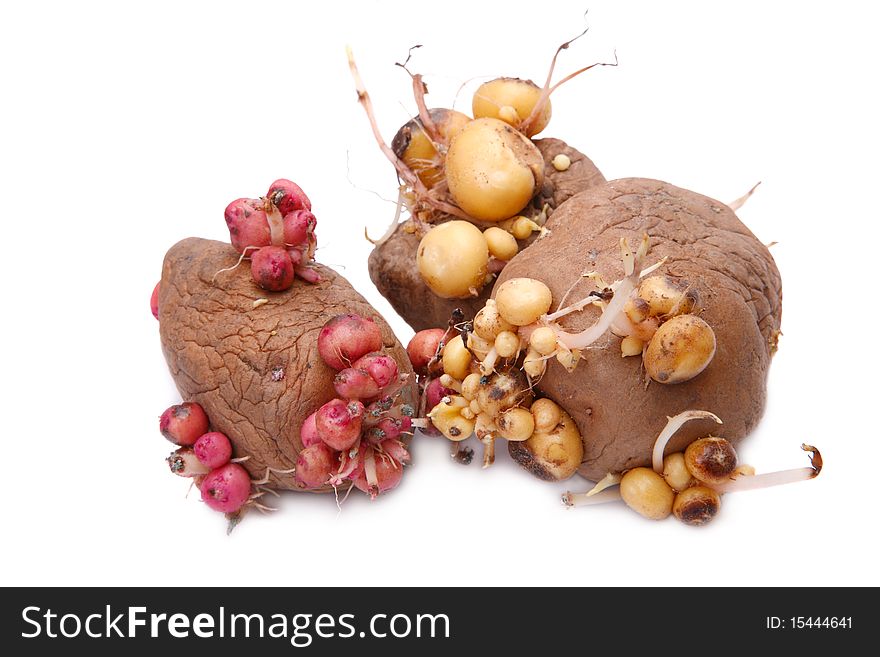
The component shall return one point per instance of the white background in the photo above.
(126, 127)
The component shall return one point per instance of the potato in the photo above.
(255, 371)
(393, 264)
(735, 277)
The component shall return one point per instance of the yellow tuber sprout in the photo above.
(681, 348)
(489, 323)
(665, 297)
(522, 301)
(631, 346)
(647, 493)
(511, 100)
(516, 424)
(453, 259)
(568, 358)
(523, 227)
(419, 152)
(507, 344)
(502, 245)
(456, 359)
(447, 417)
(492, 170)
(534, 364)
(469, 386)
(675, 472)
(543, 340)
(561, 162)
(546, 413)
(552, 454)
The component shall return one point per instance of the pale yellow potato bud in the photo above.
(413, 146)
(489, 323)
(447, 417)
(516, 424)
(744, 470)
(478, 345)
(675, 472)
(681, 348)
(502, 245)
(631, 346)
(551, 454)
(647, 493)
(569, 359)
(523, 227)
(534, 364)
(522, 301)
(511, 100)
(509, 115)
(469, 386)
(543, 340)
(547, 414)
(453, 259)
(561, 162)
(492, 170)
(456, 360)
(507, 344)
(666, 296)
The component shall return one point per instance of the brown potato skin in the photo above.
(392, 265)
(221, 351)
(741, 298)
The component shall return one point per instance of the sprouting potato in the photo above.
(522, 301)
(512, 101)
(412, 144)
(489, 323)
(680, 349)
(456, 359)
(453, 259)
(553, 453)
(492, 170)
(647, 493)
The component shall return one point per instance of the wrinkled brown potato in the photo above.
(393, 264)
(740, 292)
(255, 371)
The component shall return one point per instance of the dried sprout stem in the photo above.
(403, 171)
(549, 88)
(673, 424)
(741, 201)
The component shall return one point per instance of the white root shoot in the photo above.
(607, 481)
(392, 226)
(410, 178)
(673, 425)
(622, 291)
(765, 480)
(570, 499)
